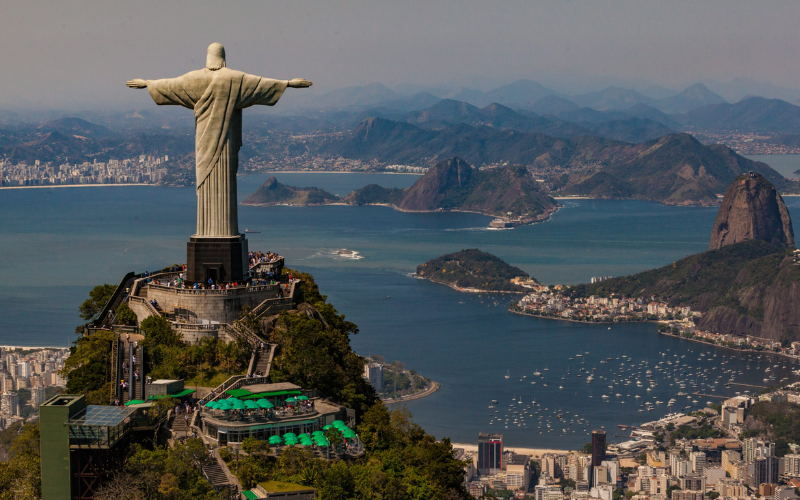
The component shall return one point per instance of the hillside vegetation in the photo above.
(748, 288)
(472, 269)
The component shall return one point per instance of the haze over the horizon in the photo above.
(77, 55)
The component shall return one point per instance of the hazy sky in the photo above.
(78, 54)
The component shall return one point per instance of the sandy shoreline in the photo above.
(77, 186)
(536, 452)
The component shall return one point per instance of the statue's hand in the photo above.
(137, 84)
(299, 83)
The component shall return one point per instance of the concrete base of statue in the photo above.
(222, 259)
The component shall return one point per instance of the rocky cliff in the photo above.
(752, 209)
(454, 185)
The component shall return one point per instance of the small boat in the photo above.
(508, 374)
(252, 232)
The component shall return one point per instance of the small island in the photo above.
(475, 271)
(273, 192)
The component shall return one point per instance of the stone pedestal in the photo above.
(222, 259)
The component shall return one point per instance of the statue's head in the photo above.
(216, 56)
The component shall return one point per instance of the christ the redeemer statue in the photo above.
(217, 95)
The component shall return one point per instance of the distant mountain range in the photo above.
(74, 140)
(754, 114)
(675, 169)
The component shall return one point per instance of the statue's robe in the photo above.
(217, 98)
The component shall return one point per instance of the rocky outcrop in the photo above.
(273, 192)
(430, 190)
(752, 209)
(455, 185)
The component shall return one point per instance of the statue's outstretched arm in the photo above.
(137, 83)
(297, 83)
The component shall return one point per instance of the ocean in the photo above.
(58, 243)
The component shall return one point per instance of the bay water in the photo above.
(57, 243)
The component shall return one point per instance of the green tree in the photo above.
(125, 315)
(98, 297)
(88, 367)
(158, 332)
(20, 476)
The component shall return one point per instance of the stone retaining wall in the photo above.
(222, 308)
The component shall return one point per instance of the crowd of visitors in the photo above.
(259, 257)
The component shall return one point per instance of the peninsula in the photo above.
(475, 271)
(746, 284)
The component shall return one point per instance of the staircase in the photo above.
(262, 361)
(179, 428)
(215, 474)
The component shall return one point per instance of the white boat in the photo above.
(508, 374)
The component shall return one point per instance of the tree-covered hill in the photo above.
(748, 288)
(402, 460)
(472, 269)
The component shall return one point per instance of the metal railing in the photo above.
(216, 291)
(234, 382)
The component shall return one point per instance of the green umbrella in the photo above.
(317, 433)
(306, 441)
(302, 398)
(322, 441)
(211, 404)
(263, 403)
(238, 405)
(274, 440)
(327, 427)
(290, 440)
(291, 400)
(303, 435)
(348, 433)
(223, 403)
(337, 423)
(250, 405)
(290, 435)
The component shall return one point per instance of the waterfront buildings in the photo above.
(598, 447)
(490, 453)
(142, 169)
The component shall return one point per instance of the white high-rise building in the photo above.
(792, 465)
(38, 396)
(698, 459)
(9, 403)
(24, 368)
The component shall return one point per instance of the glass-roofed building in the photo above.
(82, 444)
